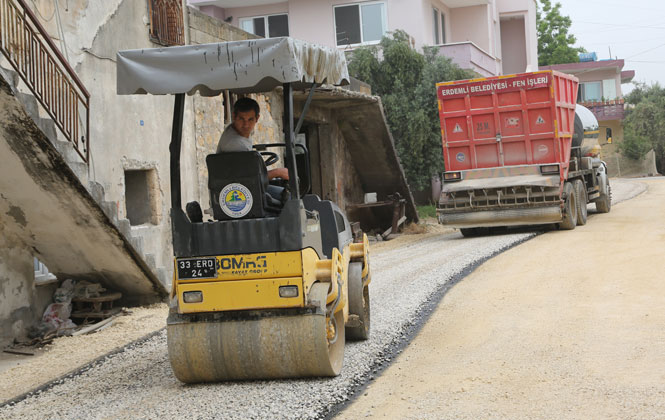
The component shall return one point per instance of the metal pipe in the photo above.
(305, 108)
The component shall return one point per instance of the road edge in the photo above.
(386, 358)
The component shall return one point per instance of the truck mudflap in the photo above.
(503, 217)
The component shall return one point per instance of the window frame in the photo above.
(583, 88)
(266, 23)
(384, 22)
(437, 25)
(442, 20)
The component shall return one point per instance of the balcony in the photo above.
(606, 110)
(468, 55)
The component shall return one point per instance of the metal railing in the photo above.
(166, 22)
(33, 55)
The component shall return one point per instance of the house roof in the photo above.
(627, 76)
(573, 68)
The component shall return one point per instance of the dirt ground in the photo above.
(568, 325)
(20, 374)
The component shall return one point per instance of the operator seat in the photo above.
(243, 179)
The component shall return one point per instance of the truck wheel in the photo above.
(569, 208)
(604, 202)
(580, 190)
(358, 304)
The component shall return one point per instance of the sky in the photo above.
(633, 30)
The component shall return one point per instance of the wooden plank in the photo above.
(91, 314)
(385, 234)
(20, 353)
(103, 298)
(93, 327)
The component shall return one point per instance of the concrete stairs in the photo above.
(110, 208)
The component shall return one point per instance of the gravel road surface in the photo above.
(408, 282)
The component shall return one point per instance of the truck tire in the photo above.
(582, 200)
(604, 202)
(569, 208)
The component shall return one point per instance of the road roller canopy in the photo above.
(248, 66)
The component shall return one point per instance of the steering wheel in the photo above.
(271, 157)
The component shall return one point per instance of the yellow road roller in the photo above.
(274, 284)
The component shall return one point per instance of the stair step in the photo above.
(137, 243)
(30, 104)
(125, 227)
(164, 276)
(81, 171)
(111, 210)
(97, 191)
(48, 127)
(10, 75)
(150, 260)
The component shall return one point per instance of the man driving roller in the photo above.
(236, 136)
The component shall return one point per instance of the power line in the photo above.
(623, 6)
(645, 51)
(632, 26)
(623, 42)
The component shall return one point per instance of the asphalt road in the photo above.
(408, 282)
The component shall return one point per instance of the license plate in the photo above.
(197, 268)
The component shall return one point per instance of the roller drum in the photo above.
(264, 348)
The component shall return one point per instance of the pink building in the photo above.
(600, 91)
(491, 37)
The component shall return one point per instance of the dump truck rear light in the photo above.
(549, 169)
(452, 176)
(288, 291)
(192, 297)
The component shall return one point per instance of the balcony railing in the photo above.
(606, 110)
(468, 55)
(33, 55)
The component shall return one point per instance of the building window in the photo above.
(363, 23)
(443, 28)
(166, 22)
(589, 91)
(273, 25)
(141, 196)
(439, 22)
(42, 275)
(609, 89)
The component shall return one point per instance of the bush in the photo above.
(406, 81)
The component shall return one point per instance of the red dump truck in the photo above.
(518, 151)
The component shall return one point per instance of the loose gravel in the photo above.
(137, 383)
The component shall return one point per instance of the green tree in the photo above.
(405, 79)
(554, 41)
(644, 125)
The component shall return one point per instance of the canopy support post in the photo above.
(289, 138)
(174, 148)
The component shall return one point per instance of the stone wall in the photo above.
(624, 167)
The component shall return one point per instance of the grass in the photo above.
(426, 211)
